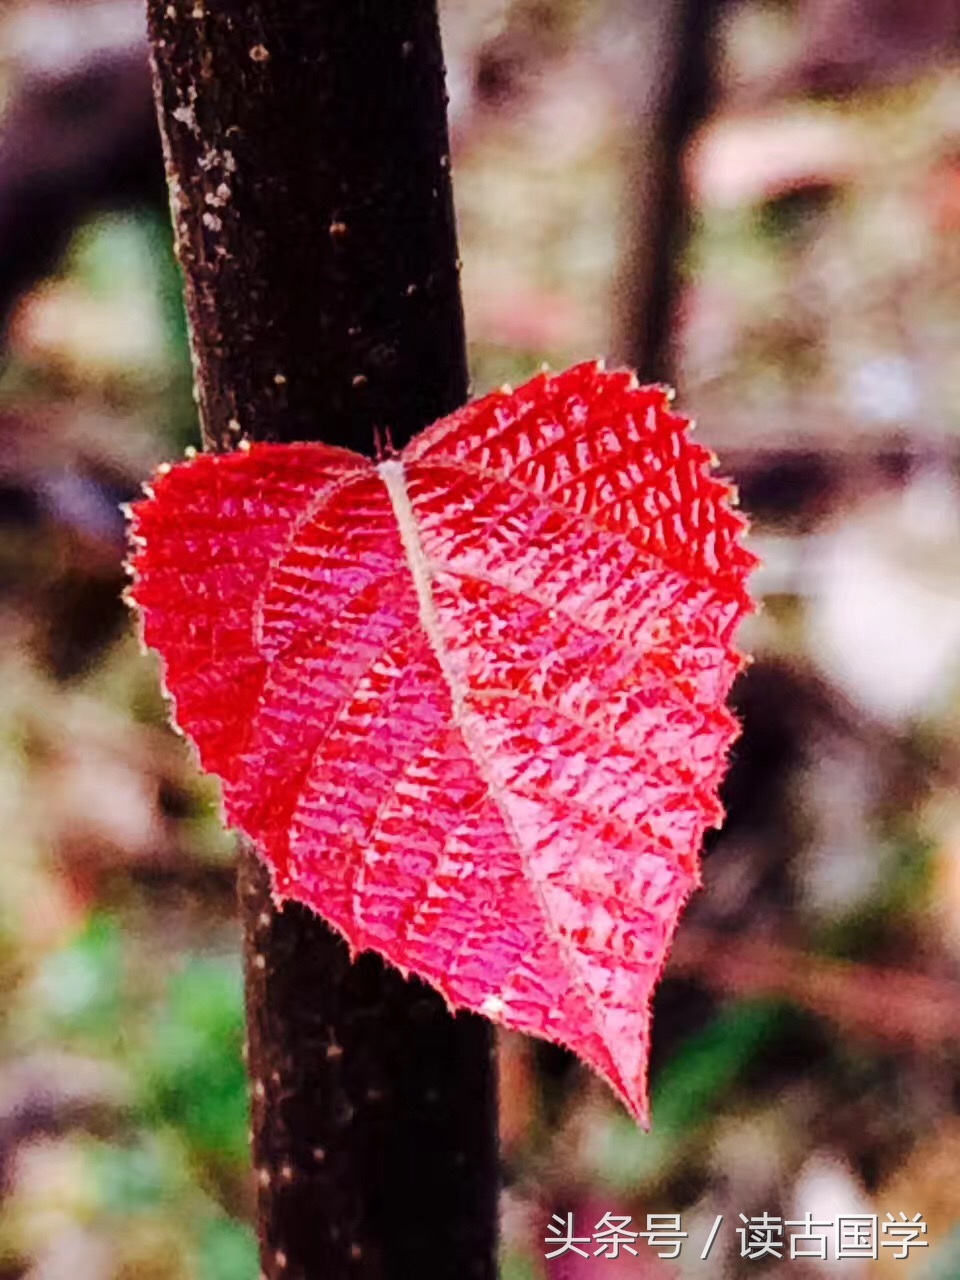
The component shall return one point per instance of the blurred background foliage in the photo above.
(757, 199)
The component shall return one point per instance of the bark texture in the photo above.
(306, 150)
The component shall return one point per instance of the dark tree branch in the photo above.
(307, 160)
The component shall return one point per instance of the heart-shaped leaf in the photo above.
(469, 702)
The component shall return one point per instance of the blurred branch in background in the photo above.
(898, 1008)
(675, 45)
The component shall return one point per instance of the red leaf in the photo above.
(469, 702)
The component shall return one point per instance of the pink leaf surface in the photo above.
(469, 702)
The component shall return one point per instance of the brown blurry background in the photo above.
(757, 199)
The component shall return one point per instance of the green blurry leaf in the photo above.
(194, 1074)
(228, 1251)
(905, 889)
(518, 1266)
(686, 1093)
(81, 985)
(707, 1065)
(112, 253)
(131, 1180)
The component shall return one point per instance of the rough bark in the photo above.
(306, 148)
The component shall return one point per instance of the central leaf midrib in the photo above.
(392, 473)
